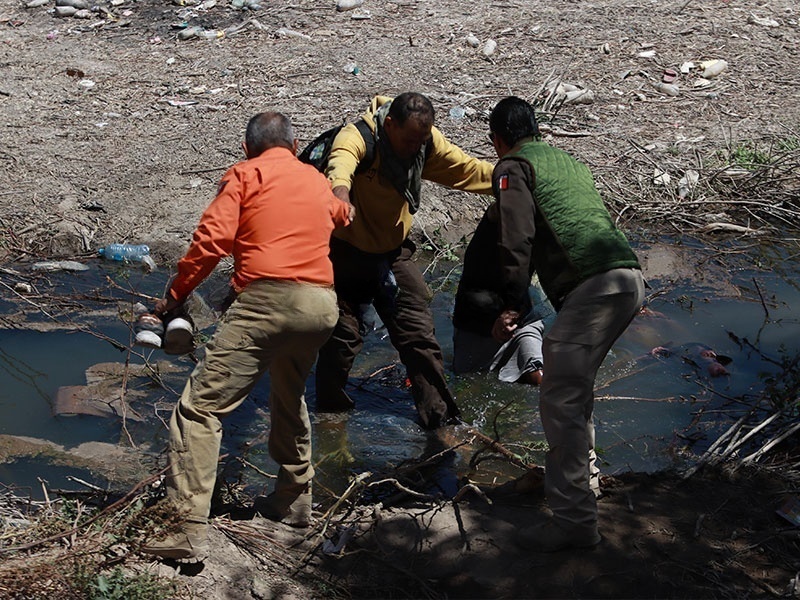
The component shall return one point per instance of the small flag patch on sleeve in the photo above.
(502, 182)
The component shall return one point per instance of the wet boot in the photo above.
(290, 505)
(187, 545)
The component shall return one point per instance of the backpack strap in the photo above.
(369, 140)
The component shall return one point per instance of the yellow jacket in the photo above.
(383, 220)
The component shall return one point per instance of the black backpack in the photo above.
(318, 151)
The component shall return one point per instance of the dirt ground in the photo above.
(114, 129)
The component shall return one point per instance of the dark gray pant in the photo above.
(359, 280)
(591, 319)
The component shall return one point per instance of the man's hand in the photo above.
(343, 194)
(165, 305)
(505, 325)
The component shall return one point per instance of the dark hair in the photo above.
(513, 119)
(412, 105)
(267, 130)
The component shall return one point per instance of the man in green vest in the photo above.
(593, 280)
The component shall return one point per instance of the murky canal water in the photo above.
(647, 407)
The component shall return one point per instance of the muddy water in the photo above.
(649, 408)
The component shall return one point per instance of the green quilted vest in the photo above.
(575, 236)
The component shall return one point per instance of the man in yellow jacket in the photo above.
(372, 259)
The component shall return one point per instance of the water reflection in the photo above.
(648, 407)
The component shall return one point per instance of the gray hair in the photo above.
(268, 130)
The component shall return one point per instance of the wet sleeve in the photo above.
(213, 238)
(449, 165)
(348, 149)
(516, 210)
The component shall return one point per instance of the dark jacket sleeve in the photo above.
(513, 183)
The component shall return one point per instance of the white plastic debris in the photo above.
(342, 5)
(472, 40)
(489, 47)
(59, 265)
(712, 68)
(661, 177)
(580, 96)
(762, 21)
(687, 183)
(286, 32)
(669, 89)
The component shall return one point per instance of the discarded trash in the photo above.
(567, 93)
(763, 21)
(472, 41)
(352, 68)
(579, 96)
(712, 68)
(331, 547)
(148, 264)
(86, 83)
(149, 328)
(65, 11)
(669, 89)
(59, 265)
(79, 4)
(687, 183)
(342, 5)
(790, 510)
(457, 113)
(179, 336)
(189, 32)
(125, 252)
(181, 102)
(687, 67)
(23, 288)
(36, 3)
(660, 177)
(646, 54)
(211, 34)
(245, 4)
(669, 75)
(286, 32)
(489, 47)
(361, 15)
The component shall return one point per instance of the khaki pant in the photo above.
(271, 326)
(591, 319)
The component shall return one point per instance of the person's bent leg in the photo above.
(218, 385)
(412, 332)
(591, 319)
(335, 360)
(290, 429)
(354, 280)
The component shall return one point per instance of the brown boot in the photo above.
(187, 545)
(290, 505)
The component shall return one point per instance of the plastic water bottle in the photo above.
(125, 252)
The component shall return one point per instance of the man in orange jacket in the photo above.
(275, 215)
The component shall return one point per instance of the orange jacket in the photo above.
(275, 215)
